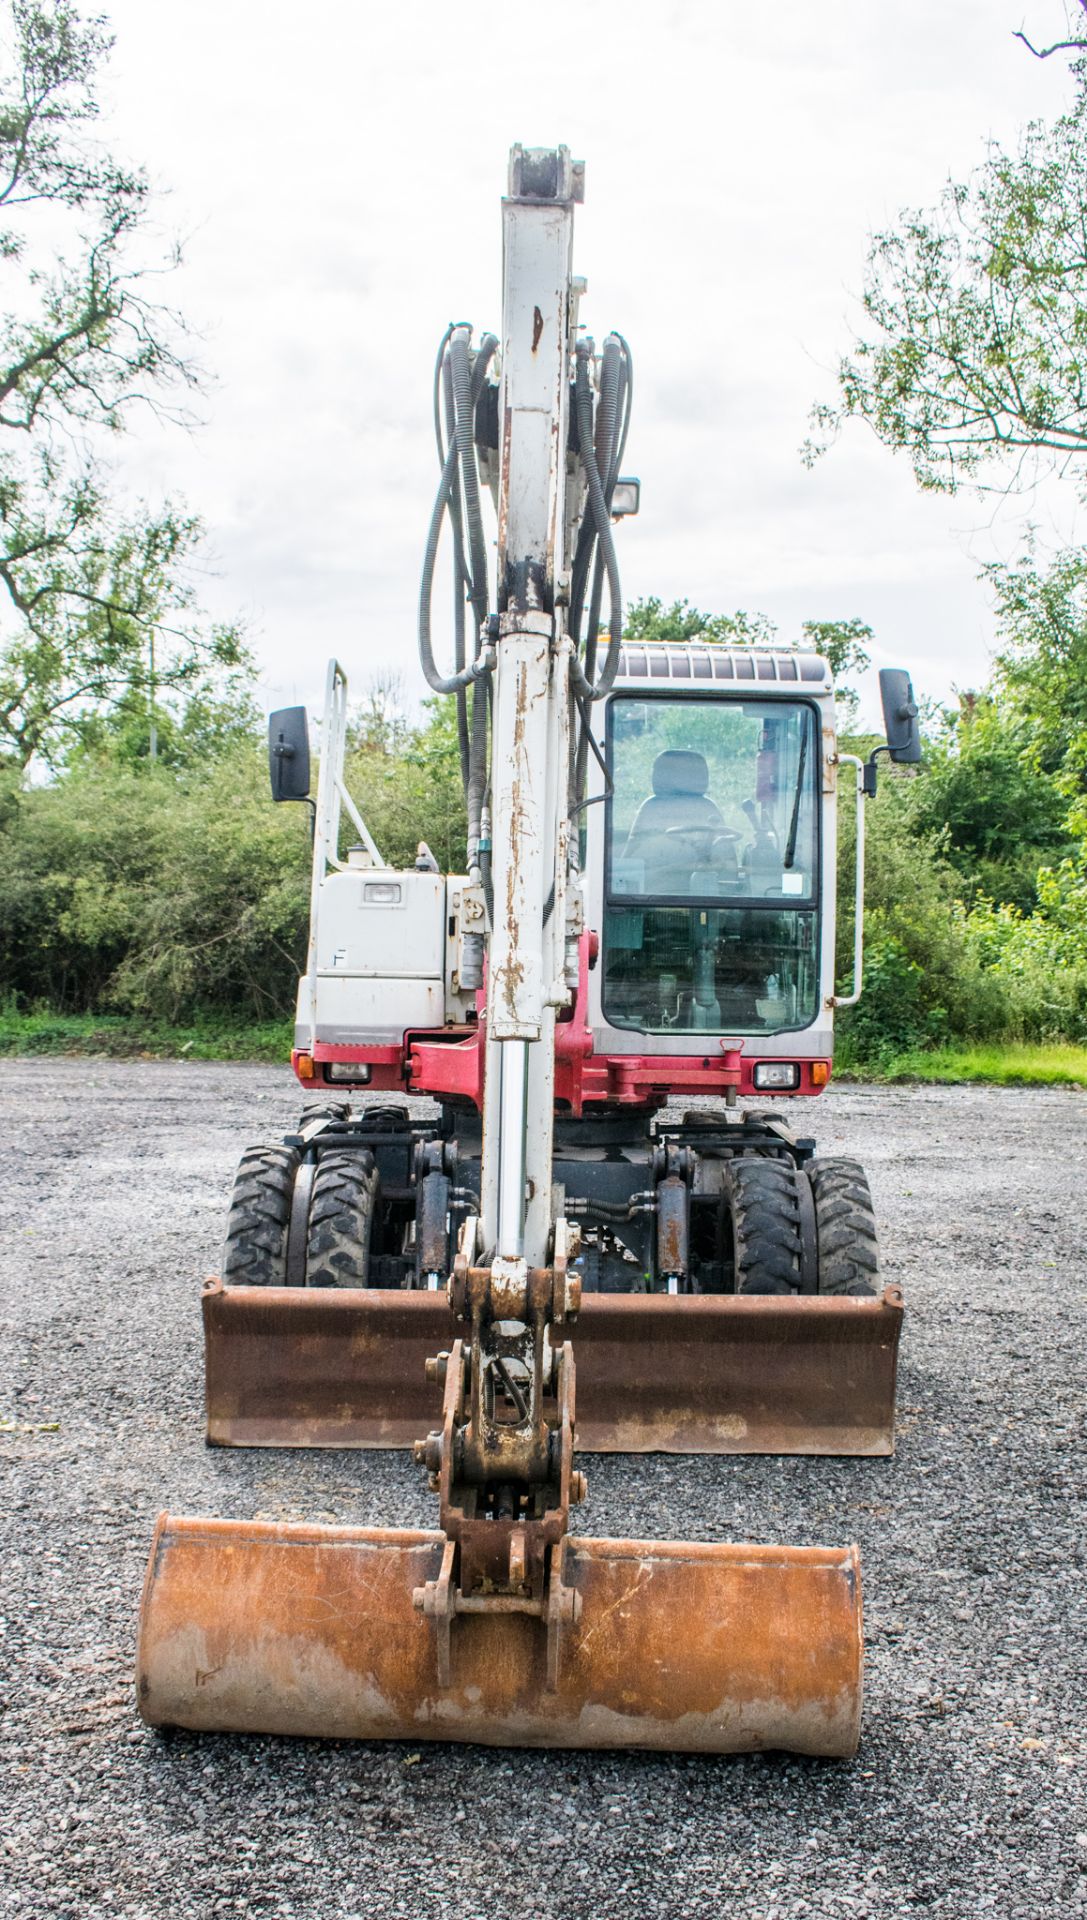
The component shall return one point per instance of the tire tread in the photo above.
(845, 1227)
(340, 1219)
(255, 1248)
(762, 1198)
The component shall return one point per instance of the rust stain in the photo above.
(830, 757)
(503, 491)
(513, 973)
(738, 1675)
(670, 1248)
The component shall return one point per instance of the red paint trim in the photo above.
(447, 1069)
(385, 1063)
(447, 1063)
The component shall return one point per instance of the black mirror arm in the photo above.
(870, 774)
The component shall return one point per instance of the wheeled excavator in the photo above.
(639, 951)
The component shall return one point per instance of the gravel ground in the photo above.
(968, 1796)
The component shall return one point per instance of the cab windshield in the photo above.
(712, 865)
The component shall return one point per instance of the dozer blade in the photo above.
(701, 1373)
(253, 1627)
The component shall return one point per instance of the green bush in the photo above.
(923, 980)
(996, 813)
(176, 892)
(891, 1016)
(408, 788)
(139, 889)
(176, 888)
(1039, 960)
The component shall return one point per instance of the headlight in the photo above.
(778, 1074)
(353, 1073)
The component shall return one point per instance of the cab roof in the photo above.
(663, 661)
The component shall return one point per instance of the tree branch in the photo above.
(1043, 53)
(1059, 46)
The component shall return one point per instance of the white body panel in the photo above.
(375, 922)
(355, 1011)
(383, 957)
(380, 955)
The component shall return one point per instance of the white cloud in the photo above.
(337, 171)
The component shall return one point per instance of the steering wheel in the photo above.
(715, 833)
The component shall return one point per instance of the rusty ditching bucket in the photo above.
(255, 1627)
(703, 1373)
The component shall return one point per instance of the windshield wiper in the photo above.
(790, 844)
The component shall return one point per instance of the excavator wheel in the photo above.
(845, 1228)
(255, 1252)
(341, 1213)
(760, 1196)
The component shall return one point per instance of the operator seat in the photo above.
(679, 829)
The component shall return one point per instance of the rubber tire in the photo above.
(255, 1250)
(761, 1198)
(341, 1215)
(845, 1226)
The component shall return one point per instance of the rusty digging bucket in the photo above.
(703, 1373)
(254, 1627)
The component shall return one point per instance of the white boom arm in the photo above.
(530, 744)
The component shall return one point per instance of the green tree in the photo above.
(195, 731)
(842, 645)
(154, 890)
(1042, 610)
(996, 813)
(407, 785)
(841, 642)
(972, 360)
(1075, 44)
(650, 619)
(85, 584)
(973, 356)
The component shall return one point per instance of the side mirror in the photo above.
(899, 724)
(900, 716)
(288, 753)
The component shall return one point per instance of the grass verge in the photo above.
(121, 1036)
(1015, 1064)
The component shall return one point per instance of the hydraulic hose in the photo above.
(443, 390)
(588, 532)
(476, 787)
(463, 397)
(467, 380)
(458, 382)
(598, 507)
(613, 426)
(605, 447)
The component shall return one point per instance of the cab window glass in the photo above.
(713, 799)
(713, 802)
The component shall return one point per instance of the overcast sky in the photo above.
(335, 171)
